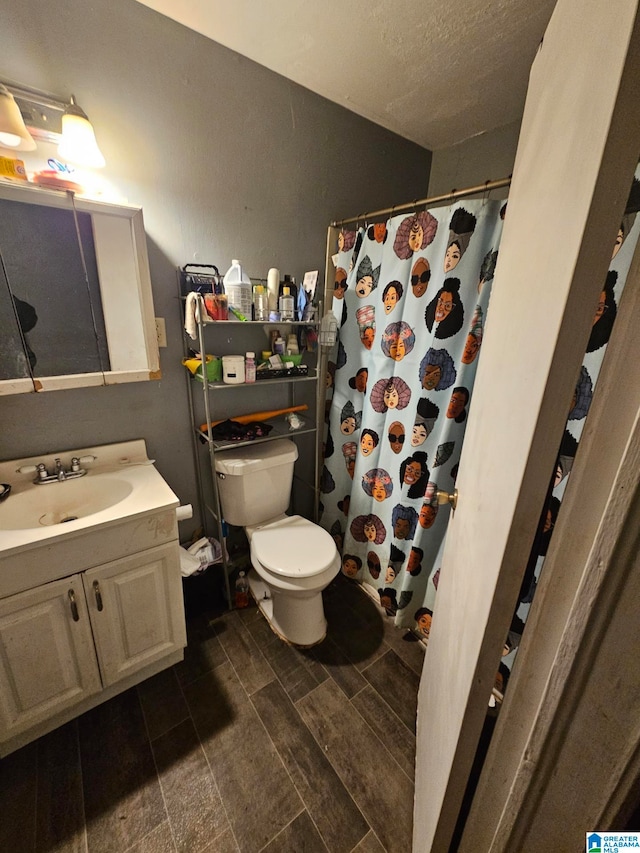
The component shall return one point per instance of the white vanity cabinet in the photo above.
(67, 645)
(136, 611)
(47, 658)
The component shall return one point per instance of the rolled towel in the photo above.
(190, 316)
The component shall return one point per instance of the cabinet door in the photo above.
(136, 610)
(47, 657)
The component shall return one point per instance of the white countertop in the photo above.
(126, 461)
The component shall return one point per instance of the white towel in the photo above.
(193, 303)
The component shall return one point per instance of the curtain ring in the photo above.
(452, 197)
(486, 193)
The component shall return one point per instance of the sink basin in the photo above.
(60, 503)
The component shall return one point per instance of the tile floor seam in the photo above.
(411, 732)
(151, 831)
(206, 758)
(382, 745)
(84, 815)
(366, 722)
(155, 765)
(217, 787)
(271, 840)
(35, 799)
(237, 674)
(323, 752)
(277, 751)
(249, 697)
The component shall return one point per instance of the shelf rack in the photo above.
(312, 426)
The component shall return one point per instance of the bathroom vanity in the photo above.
(90, 585)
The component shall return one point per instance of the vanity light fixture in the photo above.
(78, 143)
(13, 131)
(42, 116)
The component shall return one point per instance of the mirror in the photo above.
(75, 294)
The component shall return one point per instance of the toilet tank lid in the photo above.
(256, 457)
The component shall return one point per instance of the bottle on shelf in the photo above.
(238, 289)
(260, 303)
(242, 591)
(278, 346)
(292, 345)
(287, 305)
(250, 367)
(273, 288)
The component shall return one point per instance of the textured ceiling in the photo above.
(434, 72)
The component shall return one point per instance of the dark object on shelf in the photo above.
(230, 430)
(201, 278)
(281, 373)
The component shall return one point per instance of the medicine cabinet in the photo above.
(76, 306)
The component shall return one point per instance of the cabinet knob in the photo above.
(73, 605)
(98, 595)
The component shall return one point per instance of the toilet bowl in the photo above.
(293, 559)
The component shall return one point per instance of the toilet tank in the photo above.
(254, 481)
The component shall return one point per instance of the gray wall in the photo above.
(227, 160)
(486, 157)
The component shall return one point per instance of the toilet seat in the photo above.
(293, 547)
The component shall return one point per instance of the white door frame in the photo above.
(578, 148)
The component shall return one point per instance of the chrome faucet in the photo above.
(59, 473)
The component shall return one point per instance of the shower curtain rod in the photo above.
(450, 196)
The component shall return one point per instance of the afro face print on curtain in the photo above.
(605, 312)
(405, 366)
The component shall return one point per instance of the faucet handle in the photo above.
(75, 464)
(40, 469)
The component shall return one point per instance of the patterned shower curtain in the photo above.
(603, 320)
(411, 299)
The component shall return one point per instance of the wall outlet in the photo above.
(161, 331)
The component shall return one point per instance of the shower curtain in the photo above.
(603, 320)
(411, 298)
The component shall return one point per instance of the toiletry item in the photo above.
(292, 345)
(290, 282)
(278, 346)
(266, 354)
(238, 289)
(12, 168)
(260, 303)
(273, 288)
(274, 334)
(287, 305)
(242, 591)
(216, 305)
(237, 314)
(250, 367)
(233, 369)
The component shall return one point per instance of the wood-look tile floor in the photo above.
(247, 745)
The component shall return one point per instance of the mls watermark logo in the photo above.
(612, 842)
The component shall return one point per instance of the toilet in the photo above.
(293, 559)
